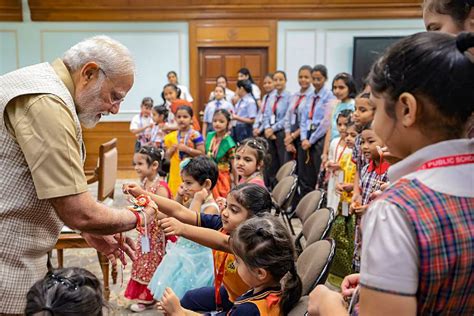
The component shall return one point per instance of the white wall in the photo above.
(157, 49)
(330, 42)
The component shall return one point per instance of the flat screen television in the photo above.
(366, 51)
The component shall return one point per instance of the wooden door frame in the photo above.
(228, 33)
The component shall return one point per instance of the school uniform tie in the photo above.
(313, 107)
(276, 104)
(265, 103)
(218, 104)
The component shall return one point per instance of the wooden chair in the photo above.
(106, 175)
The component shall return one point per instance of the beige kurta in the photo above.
(41, 157)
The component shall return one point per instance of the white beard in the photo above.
(88, 104)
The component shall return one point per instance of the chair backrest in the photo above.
(308, 205)
(286, 170)
(318, 225)
(107, 171)
(284, 191)
(314, 262)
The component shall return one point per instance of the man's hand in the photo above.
(111, 247)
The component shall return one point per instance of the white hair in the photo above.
(113, 57)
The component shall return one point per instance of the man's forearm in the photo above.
(82, 212)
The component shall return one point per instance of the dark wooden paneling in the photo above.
(165, 10)
(227, 62)
(103, 132)
(229, 34)
(10, 10)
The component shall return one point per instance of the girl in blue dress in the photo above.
(188, 265)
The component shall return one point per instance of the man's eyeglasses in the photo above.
(115, 97)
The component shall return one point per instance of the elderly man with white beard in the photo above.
(42, 182)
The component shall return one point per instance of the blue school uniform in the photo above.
(295, 111)
(274, 118)
(211, 107)
(275, 112)
(247, 108)
(265, 103)
(314, 127)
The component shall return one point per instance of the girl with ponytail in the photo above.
(265, 261)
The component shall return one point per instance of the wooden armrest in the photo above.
(95, 177)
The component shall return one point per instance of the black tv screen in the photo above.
(366, 52)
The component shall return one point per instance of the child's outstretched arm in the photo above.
(169, 303)
(205, 236)
(167, 206)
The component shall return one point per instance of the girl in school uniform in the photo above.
(159, 114)
(244, 74)
(222, 82)
(274, 126)
(295, 111)
(269, 88)
(313, 128)
(219, 103)
(425, 215)
(245, 111)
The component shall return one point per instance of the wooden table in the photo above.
(73, 240)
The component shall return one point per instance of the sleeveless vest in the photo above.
(443, 226)
(29, 227)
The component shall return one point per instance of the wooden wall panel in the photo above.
(165, 10)
(10, 10)
(103, 132)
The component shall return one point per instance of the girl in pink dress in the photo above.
(249, 160)
(147, 164)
